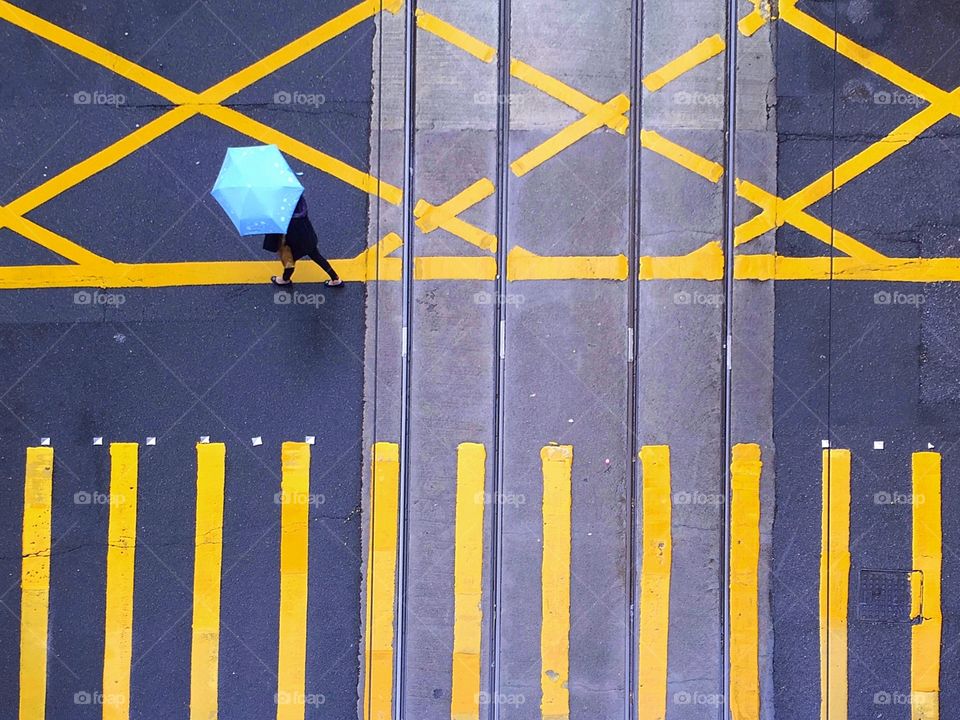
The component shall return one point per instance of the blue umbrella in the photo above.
(257, 189)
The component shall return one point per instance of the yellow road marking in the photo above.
(699, 53)
(656, 559)
(310, 155)
(455, 36)
(928, 559)
(50, 240)
(525, 265)
(35, 582)
(381, 582)
(744, 583)
(697, 164)
(557, 464)
(834, 584)
(121, 549)
(559, 90)
(208, 549)
(454, 267)
(569, 135)
(288, 53)
(468, 582)
(704, 263)
(294, 556)
(430, 217)
(757, 18)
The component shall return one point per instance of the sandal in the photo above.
(279, 281)
(334, 283)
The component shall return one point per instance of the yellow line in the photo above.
(381, 582)
(834, 584)
(208, 549)
(468, 582)
(433, 216)
(438, 267)
(101, 160)
(584, 104)
(456, 36)
(557, 464)
(704, 263)
(700, 53)
(53, 242)
(121, 549)
(744, 583)
(928, 559)
(751, 23)
(655, 569)
(862, 56)
(294, 553)
(290, 52)
(575, 131)
(525, 265)
(707, 169)
(113, 62)
(303, 152)
(35, 582)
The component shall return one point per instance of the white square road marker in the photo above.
(204, 439)
(44, 441)
(257, 440)
(310, 439)
(824, 443)
(98, 441)
(929, 446)
(151, 441)
(878, 444)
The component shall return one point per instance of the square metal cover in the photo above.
(884, 596)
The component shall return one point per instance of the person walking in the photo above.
(299, 241)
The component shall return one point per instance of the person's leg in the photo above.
(286, 259)
(325, 264)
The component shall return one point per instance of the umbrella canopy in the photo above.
(257, 189)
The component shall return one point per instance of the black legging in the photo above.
(319, 260)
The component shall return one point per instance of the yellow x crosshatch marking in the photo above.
(861, 262)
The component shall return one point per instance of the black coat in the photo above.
(301, 237)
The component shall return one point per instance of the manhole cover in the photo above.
(884, 596)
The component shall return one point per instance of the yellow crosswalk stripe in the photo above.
(744, 583)
(121, 550)
(656, 559)
(467, 582)
(834, 584)
(294, 546)
(928, 559)
(208, 549)
(381, 582)
(35, 583)
(557, 465)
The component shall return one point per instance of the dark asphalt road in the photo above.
(854, 371)
(180, 363)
